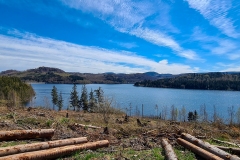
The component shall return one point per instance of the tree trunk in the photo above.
(170, 154)
(26, 134)
(199, 151)
(56, 152)
(4, 151)
(88, 126)
(230, 149)
(209, 147)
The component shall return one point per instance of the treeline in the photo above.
(205, 81)
(14, 91)
(93, 101)
(50, 77)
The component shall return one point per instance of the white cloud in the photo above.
(217, 46)
(161, 39)
(129, 17)
(216, 11)
(31, 51)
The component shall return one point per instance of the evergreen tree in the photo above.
(74, 97)
(54, 94)
(83, 103)
(92, 101)
(60, 102)
(195, 116)
(190, 116)
(99, 95)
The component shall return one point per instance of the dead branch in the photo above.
(170, 154)
(208, 147)
(225, 142)
(199, 151)
(26, 134)
(57, 152)
(88, 126)
(4, 151)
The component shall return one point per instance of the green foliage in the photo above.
(91, 102)
(54, 94)
(74, 97)
(64, 120)
(99, 95)
(83, 103)
(184, 155)
(15, 91)
(49, 123)
(60, 102)
(208, 81)
(192, 116)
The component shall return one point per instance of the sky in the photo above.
(121, 36)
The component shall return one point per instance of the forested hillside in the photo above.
(58, 76)
(13, 90)
(206, 81)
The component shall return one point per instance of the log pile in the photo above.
(44, 150)
(204, 149)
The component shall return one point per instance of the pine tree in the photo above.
(92, 101)
(60, 102)
(83, 103)
(54, 94)
(99, 95)
(74, 97)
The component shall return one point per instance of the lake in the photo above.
(126, 95)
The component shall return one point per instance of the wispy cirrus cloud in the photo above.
(217, 46)
(26, 50)
(130, 17)
(216, 12)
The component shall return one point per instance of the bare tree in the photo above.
(183, 114)
(164, 112)
(238, 116)
(231, 114)
(174, 113)
(203, 113)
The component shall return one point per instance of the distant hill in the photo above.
(206, 81)
(9, 72)
(58, 76)
(46, 69)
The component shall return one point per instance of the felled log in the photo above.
(88, 126)
(225, 142)
(197, 150)
(232, 150)
(4, 151)
(26, 134)
(57, 152)
(209, 147)
(170, 154)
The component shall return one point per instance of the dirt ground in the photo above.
(129, 137)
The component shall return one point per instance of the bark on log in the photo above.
(209, 147)
(230, 149)
(4, 151)
(56, 152)
(199, 151)
(170, 154)
(88, 126)
(26, 134)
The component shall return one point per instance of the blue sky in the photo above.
(121, 36)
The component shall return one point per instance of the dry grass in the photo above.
(127, 139)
